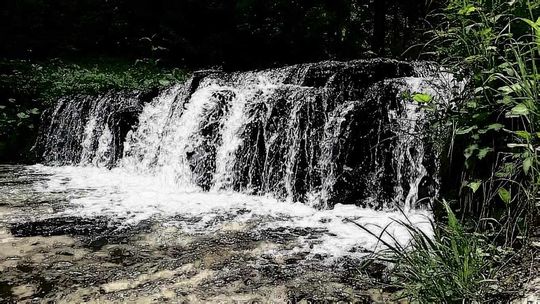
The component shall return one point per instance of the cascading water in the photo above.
(321, 134)
(87, 130)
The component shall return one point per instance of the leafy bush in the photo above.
(495, 45)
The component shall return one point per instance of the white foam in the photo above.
(133, 198)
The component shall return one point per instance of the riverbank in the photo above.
(51, 252)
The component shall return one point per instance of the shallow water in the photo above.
(105, 235)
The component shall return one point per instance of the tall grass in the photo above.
(450, 266)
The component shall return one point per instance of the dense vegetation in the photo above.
(494, 152)
(496, 44)
(491, 177)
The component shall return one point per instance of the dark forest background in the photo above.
(236, 34)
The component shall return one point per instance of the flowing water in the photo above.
(306, 148)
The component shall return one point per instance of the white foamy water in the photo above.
(132, 198)
(230, 134)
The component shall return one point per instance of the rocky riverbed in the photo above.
(56, 262)
(69, 241)
(50, 256)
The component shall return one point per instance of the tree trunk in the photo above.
(379, 30)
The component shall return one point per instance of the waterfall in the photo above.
(322, 133)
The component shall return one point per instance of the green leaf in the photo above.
(422, 98)
(483, 152)
(527, 164)
(453, 222)
(505, 195)
(474, 185)
(467, 10)
(462, 131)
(523, 134)
(519, 110)
(507, 170)
(495, 127)
(472, 104)
(470, 151)
(506, 100)
(473, 58)
(34, 111)
(22, 115)
(516, 87)
(509, 70)
(536, 27)
(164, 82)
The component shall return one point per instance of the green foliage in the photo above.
(52, 79)
(14, 115)
(495, 46)
(422, 98)
(450, 266)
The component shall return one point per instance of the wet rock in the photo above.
(25, 267)
(6, 293)
(117, 113)
(62, 226)
(358, 71)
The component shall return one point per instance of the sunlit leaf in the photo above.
(507, 170)
(527, 164)
(523, 134)
(474, 185)
(483, 152)
(506, 100)
(164, 82)
(536, 27)
(519, 110)
(504, 195)
(462, 131)
(467, 10)
(422, 98)
(470, 151)
(22, 115)
(495, 127)
(514, 88)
